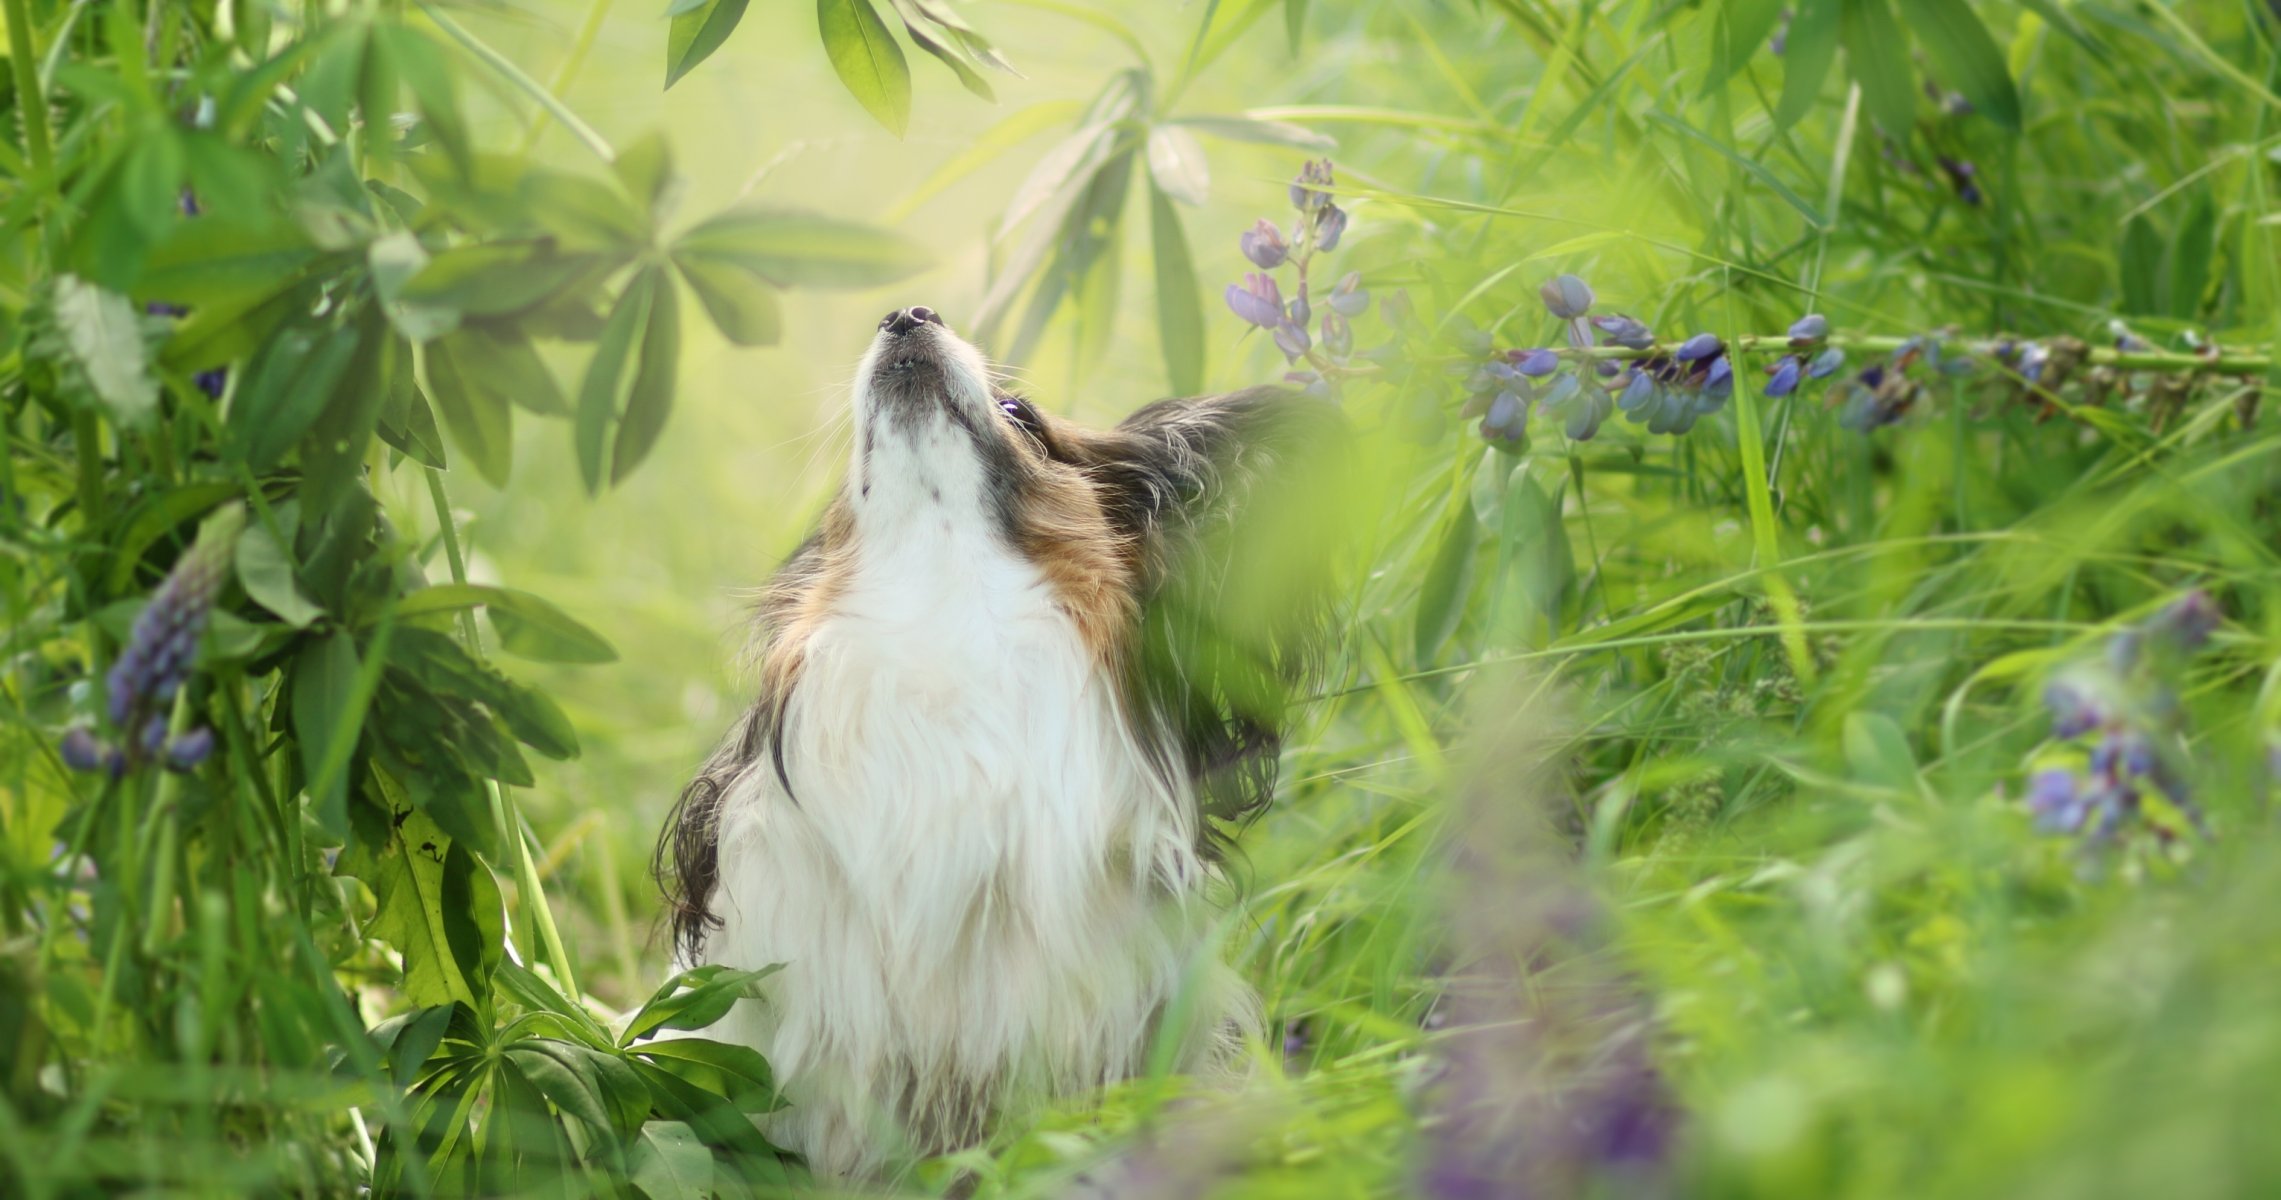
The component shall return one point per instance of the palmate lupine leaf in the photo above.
(439, 907)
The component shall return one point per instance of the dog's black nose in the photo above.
(904, 320)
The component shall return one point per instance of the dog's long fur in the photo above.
(1008, 689)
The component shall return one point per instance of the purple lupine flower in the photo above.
(1348, 298)
(1338, 336)
(1313, 175)
(1536, 364)
(1507, 421)
(1965, 178)
(1829, 362)
(1263, 244)
(1702, 345)
(1257, 300)
(1299, 312)
(1330, 226)
(1719, 382)
(2187, 622)
(1809, 330)
(1620, 330)
(1637, 393)
(1785, 379)
(1291, 340)
(190, 749)
(1568, 297)
(2058, 801)
(2074, 711)
(156, 660)
(81, 750)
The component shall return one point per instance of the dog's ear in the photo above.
(1236, 503)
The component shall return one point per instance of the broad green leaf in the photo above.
(1179, 312)
(216, 260)
(447, 669)
(492, 279)
(104, 336)
(332, 452)
(410, 1040)
(609, 374)
(415, 433)
(1745, 26)
(1877, 53)
(735, 1072)
(426, 73)
(644, 167)
(1448, 581)
(741, 303)
(540, 630)
(864, 54)
(324, 693)
(395, 258)
(1176, 162)
(439, 907)
(697, 30)
(1877, 750)
(1966, 58)
(533, 992)
(594, 1086)
(478, 416)
(694, 999)
(790, 247)
(650, 399)
(265, 570)
(669, 1162)
(497, 358)
(285, 387)
(1806, 57)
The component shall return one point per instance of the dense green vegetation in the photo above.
(1829, 756)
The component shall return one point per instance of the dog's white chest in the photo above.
(976, 881)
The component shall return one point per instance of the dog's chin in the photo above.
(922, 371)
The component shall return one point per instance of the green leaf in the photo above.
(528, 626)
(789, 247)
(414, 432)
(265, 570)
(427, 75)
(324, 692)
(533, 992)
(492, 279)
(735, 1072)
(1877, 750)
(1877, 53)
(1967, 58)
(1746, 26)
(740, 302)
(1448, 581)
(868, 61)
(697, 30)
(2141, 266)
(609, 375)
(446, 668)
(395, 259)
(439, 907)
(103, 334)
(650, 400)
(216, 260)
(1806, 57)
(2189, 259)
(411, 1039)
(1179, 312)
(669, 1162)
(285, 387)
(596, 1087)
(1176, 162)
(644, 167)
(475, 411)
(693, 999)
(950, 55)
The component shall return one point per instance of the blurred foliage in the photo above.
(296, 267)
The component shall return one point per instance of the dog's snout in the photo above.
(904, 320)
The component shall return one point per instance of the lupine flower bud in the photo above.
(1313, 174)
(2073, 710)
(80, 749)
(1263, 244)
(1257, 300)
(1702, 345)
(1338, 336)
(1808, 329)
(1964, 177)
(1720, 383)
(1348, 298)
(1637, 393)
(1291, 340)
(1619, 330)
(1536, 364)
(1829, 362)
(1785, 379)
(2187, 622)
(1568, 297)
(187, 751)
(2057, 801)
(1299, 311)
(1330, 226)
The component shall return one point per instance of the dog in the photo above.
(1013, 691)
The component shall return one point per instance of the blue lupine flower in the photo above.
(1965, 178)
(80, 749)
(1257, 300)
(1536, 364)
(1702, 345)
(1299, 312)
(1313, 174)
(2058, 802)
(1506, 424)
(187, 751)
(1620, 330)
(1637, 393)
(156, 660)
(1785, 379)
(1809, 330)
(1292, 340)
(1338, 336)
(1330, 226)
(1348, 298)
(1720, 382)
(1829, 362)
(1568, 297)
(1263, 244)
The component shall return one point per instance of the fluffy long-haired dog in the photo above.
(1007, 688)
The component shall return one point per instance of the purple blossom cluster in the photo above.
(150, 671)
(1884, 392)
(2126, 705)
(1259, 299)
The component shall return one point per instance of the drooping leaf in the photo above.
(478, 416)
(699, 27)
(650, 398)
(596, 1087)
(693, 999)
(735, 1072)
(491, 279)
(2141, 267)
(2191, 249)
(741, 303)
(669, 1162)
(409, 1040)
(1806, 57)
(324, 693)
(444, 667)
(1745, 26)
(1966, 58)
(285, 387)
(609, 374)
(216, 260)
(1877, 53)
(798, 248)
(1179, 311)
(869, 63)
(529, 627)
(266, 573)
(1448, 581)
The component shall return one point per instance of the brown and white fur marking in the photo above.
(971, 809)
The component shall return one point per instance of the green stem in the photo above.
(516, 76)
(87, 439)
(31, 103)
(579, 49)
(503, 808)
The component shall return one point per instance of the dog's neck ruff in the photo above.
(977, 880)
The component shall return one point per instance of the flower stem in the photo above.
(579, 49)
(516, 76)
(31, 104)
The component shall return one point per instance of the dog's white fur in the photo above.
(982, 893)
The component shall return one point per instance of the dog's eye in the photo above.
(1022, 415)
